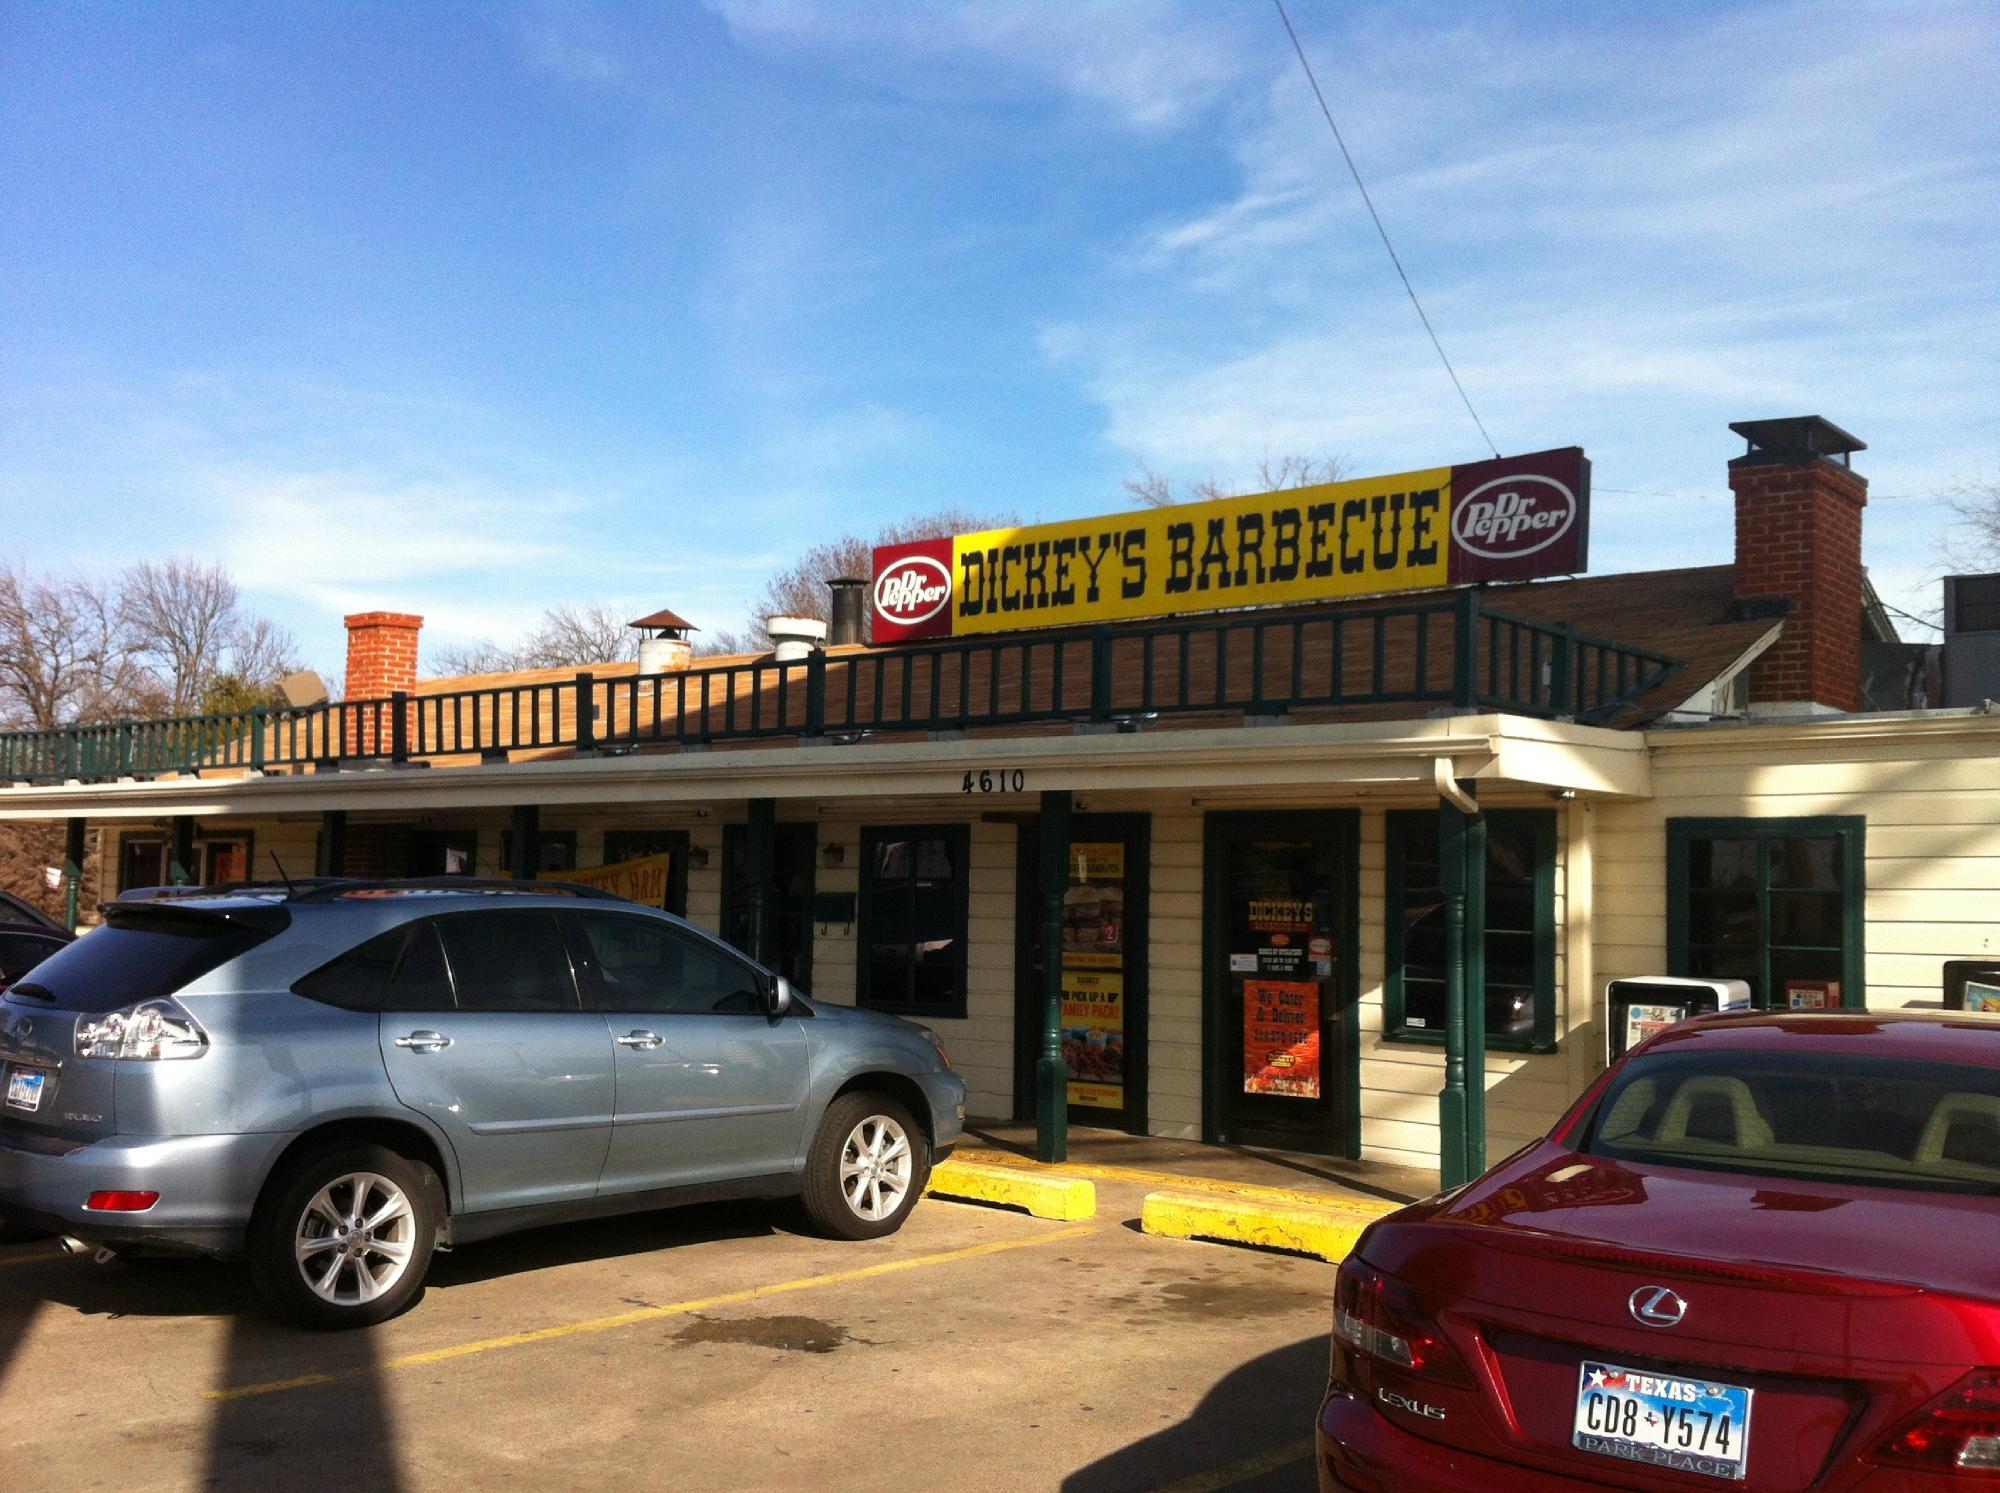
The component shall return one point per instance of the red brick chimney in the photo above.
(381, 653)
(1798, 537)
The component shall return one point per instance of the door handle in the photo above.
(425, 1041)
(640, 1039)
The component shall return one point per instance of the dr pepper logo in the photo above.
(912, 591)
(1513, 516)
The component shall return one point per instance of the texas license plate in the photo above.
(24, 1088)
(1663, 1420)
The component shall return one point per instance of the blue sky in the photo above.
(469, 310)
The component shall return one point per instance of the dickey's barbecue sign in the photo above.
(1516, 518)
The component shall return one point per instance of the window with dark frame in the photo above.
(1519, 963)
(1776, 903)
(913, 919)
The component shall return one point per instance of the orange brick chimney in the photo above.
(381, 653)
(1798, 537)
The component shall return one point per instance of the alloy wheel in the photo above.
(877, 1166)
(355, 1239)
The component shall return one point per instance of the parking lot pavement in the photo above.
(705, 1349)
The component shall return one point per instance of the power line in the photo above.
(1398, 263)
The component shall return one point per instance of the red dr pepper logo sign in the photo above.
(913, 591)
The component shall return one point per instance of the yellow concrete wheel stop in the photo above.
(1039, 1194)
(1327, 1229)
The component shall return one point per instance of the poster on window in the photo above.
(1281, 1038)
(1282, 927)
(1093, 1040)
(643, 880)
(1812, 995)
(1094, 906)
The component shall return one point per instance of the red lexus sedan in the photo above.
(1761, 1250)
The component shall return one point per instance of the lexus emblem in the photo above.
(1656, 1306)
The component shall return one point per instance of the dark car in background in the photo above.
(27, 937)
(1763, 1249)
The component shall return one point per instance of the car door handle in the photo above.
(640, 1039)
(425, 1041)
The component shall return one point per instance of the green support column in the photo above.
(332, 857)
(759, 857)
(1051, 1072)
(72, 873)
(526, 842)
(1462, 1101)
(180, 852)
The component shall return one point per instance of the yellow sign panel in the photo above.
(642, 880)
(1337, 539)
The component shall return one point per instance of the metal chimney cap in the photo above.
(665, 619)
(1796, 438)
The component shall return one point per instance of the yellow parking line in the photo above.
(649, 1314)
(1241, 1472)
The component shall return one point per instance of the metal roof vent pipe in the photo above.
(794, 638)
(849, 611)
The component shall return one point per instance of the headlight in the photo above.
(150, 1032)
(938, 1043)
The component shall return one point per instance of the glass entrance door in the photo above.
(1280, 985)
(788, 927)
(1104, 971)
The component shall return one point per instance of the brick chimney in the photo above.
(381, 653)
(1798, 537)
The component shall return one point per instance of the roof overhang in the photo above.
(1488, 749)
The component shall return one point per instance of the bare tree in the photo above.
(1151, 489)
(64, 656)
(568, 636)
(800, 589)
(180, 615)
(1975, 541)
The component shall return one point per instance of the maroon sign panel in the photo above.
(1520, 518)
(913, 591)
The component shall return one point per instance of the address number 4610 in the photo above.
(995, 780)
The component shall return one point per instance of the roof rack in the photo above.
(324, 889)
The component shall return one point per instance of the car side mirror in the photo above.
(781, 995)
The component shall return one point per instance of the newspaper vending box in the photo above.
(1635, 1009)
(1972, 985)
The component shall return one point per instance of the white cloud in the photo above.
(1144, 64)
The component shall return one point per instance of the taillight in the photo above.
(120, 1202)
(150, 1032)
(1377, 1316)
(1959, 1431)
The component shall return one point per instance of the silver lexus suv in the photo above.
(334, 1079)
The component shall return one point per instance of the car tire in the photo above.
(343, 1236)
(869, 1164)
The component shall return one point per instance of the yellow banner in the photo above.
(1372, 535)
(643, 880)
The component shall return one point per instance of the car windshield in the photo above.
(1859, 1120)
(146, 952)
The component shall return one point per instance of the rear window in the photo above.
(1863, 1121)
(139, 957)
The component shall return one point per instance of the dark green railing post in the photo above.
(586, 712)
(760, 856)
(126, 727)
(399, 726)
(1465, 650)
(1051, 1071)
(1100, 672)
(73, 848)
(180, 851)
(1461, 880)
(1562, 672)
(331, 857)
(259, 723)
(525, 858)
(816, 691)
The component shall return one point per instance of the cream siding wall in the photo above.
(1174, 1018)
(1928, 788)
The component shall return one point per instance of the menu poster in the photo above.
(1094, 906)
(1281, 1047)
(1812, 995)
(1093, 1039)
